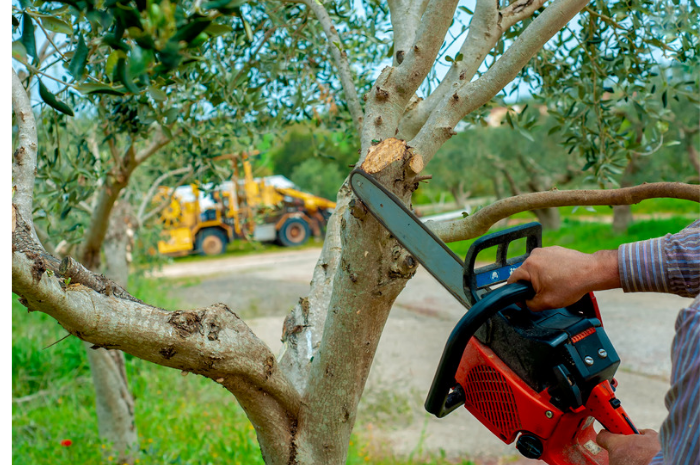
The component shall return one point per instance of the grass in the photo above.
(180, 420)
(586, 236)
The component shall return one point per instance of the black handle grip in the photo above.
(439, 402)
(476, 280)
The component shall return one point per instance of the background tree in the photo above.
(149, 72)
(303, 405)
(315, 159)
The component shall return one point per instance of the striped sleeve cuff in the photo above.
(641, 266)
(658, 459)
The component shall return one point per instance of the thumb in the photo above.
(520, 274)
(606, 439)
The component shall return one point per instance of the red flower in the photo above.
(66, 443)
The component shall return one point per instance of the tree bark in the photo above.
(622, 218)
(693, 156)
(113, 402)
(548, 217)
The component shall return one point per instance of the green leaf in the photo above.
(249, 31)
(91, 88)
(19, 53)
(28, 39)
(139, 61)
(664, 98)
(448, 59)
(54, 24)
(215, 29)
(226, 4)
(466, 10)
(526, 135)
(191, 30)
(459, 57)
(121, 74)
(77, 64)
(171, 115)
(51, 100)
(112, 61)
(167, 132)
(553, 130)
(509, 120)
(116, 44)
(15, 22)
(157, 94)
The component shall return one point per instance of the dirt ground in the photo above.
(263, 288)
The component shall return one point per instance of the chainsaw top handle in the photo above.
(445, 393)
(477, 282)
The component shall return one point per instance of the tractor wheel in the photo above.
(293, 232)
(211, 242)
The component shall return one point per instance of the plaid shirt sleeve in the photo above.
(672, 264)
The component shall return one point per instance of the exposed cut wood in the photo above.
(384, 154)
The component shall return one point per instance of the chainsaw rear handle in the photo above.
(476, 281)
(445, 394)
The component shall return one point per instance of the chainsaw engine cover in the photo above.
(564, 351)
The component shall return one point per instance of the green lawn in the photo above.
(586, 237)
(180, 420)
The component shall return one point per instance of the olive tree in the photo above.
(303, 403)
(139, 76)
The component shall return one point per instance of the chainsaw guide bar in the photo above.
(412, 234)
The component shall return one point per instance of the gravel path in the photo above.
(263, 288)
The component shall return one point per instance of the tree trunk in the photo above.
(549, 218)
(622, 218)
(113, 400)
(693, 156)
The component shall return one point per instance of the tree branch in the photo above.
(210, 341)
(396, 86)
(141, 215)
(405, 19)
(470, 96)
(340, 57)
(480, 222)
(485, 29)
(160, 141)
(517, 11)
(24, 158)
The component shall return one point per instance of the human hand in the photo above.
(632, 449)
(560, 277)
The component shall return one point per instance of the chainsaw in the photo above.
(538, 378)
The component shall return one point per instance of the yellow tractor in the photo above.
(204, 219)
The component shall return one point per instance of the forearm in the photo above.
(605, 274)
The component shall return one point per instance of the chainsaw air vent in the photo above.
(488, 392)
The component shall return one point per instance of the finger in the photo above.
(606, 439)
(520, 274)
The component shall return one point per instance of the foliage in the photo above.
(622, 61)
(317, 177)
(314, 158)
